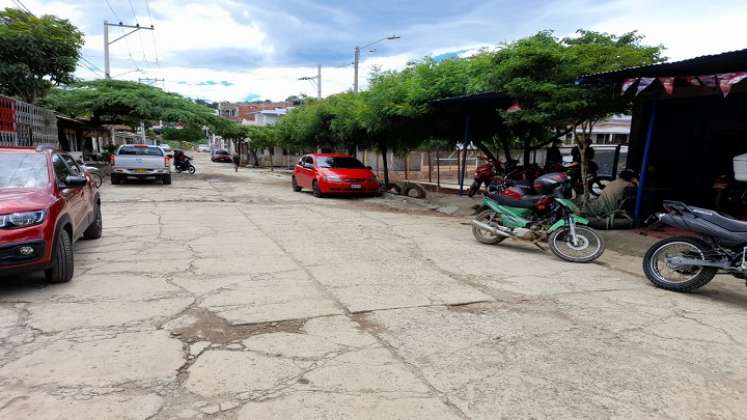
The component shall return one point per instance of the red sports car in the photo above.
(47, 202)
(333, 173)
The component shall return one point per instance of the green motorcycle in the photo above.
(536, 215)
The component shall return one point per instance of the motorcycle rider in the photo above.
(181, 161)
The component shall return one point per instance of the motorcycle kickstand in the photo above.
(538, 245)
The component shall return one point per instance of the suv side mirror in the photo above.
(75, 181)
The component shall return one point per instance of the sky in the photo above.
(255, 50)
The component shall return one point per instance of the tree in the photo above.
(540, 72)
(262, 138)
(188, 134)
(124, 102)
(36, 53)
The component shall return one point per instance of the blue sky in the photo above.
(233, 49)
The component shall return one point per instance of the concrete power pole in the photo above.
(319, 82)
(107, 43)
(356, 61)
(317, 79)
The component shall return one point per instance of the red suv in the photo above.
(47, 202)
(325, 173)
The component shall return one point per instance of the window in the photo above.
(340, 162)
(74, 168)
(140, 151)
(61, 170)
(23, 170)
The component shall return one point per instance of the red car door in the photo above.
(87, 205)
(75, 203)
(309, 171)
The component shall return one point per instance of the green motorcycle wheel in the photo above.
(484, 236)
(589, 245)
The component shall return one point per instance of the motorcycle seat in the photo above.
(525, 202)
(719, 219)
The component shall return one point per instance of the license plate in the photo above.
(355, 186)
(140, 171)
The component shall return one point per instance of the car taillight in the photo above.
(112, 159)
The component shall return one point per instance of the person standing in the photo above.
(236, 162)
(553, 156)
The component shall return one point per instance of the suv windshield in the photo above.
(340, 162)
(140, 151)
(23, 170)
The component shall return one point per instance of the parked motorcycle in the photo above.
(686, 263)
(484, 174)
(542, 212)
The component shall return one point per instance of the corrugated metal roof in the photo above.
(707, 64)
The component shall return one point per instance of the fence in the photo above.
(23, 124)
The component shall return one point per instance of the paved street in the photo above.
(230, 296)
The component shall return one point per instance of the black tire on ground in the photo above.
(63, 265)
(584, 231)
(315, 189)
(473, 189)
(191, 169)
(486, 237)
(295, 185)
(96, 227)
(167, 179)
(115, 179)
(700, 279)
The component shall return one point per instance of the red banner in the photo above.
(7, 115)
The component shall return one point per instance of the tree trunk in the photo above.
(506, 149)
(487, 152)
(383, 149)
(527, 151)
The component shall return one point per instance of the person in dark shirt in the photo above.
(553, 156)
(236, 162)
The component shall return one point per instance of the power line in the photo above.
(114, 12)
(22, 6)
(152, 34)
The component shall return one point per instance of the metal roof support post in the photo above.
(464, 154)
(644, 164)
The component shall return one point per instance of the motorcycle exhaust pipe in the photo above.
(490, 229)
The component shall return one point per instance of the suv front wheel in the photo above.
(62, 268)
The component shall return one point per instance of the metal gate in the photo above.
(23, 124)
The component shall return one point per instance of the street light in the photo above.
(357, 60)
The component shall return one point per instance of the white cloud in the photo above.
(686, 28)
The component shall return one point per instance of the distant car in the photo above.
(140, 161)
(204, 148)
(47, 202)
(221, 156)
(332, 173)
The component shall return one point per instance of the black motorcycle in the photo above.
(184, 165)
(686, 263)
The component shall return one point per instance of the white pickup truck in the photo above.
(140, 161)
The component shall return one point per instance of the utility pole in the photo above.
(107, 43)
(357, 58)
(356, 61)
(317, 79)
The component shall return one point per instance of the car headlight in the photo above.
(332, 178)
(22, 219)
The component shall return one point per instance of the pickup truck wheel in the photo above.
(62, 260)
(96, 227)
(167, 179)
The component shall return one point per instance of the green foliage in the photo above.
(262, 137)
(189, 134)
(36, 53)
(119, 101)
(539, 71)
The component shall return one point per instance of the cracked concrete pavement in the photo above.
(230, 296)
